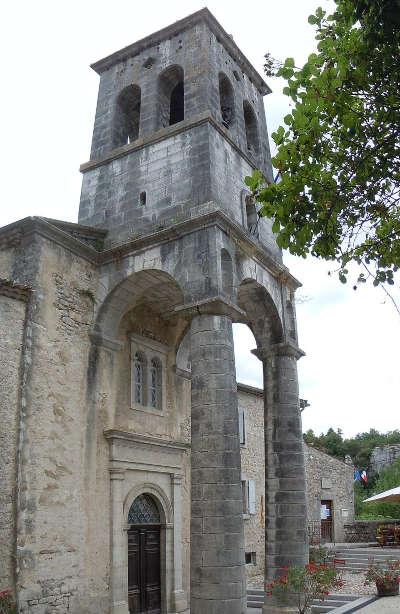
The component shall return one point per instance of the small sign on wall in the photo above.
(345, 513)
(326, 483)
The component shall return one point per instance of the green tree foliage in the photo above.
(358, 447)
(338, 154)
(388, 478)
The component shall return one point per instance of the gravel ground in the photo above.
(353, 584)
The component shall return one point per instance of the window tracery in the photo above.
(144, 511)
(148, 382)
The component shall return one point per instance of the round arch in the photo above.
(159, 496)
(262, 314)
(152, 285)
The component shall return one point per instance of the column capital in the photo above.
(286, 348)
(116, 474)
(176, 478)
(215, 306)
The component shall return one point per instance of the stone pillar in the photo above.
(286, 536)
(217, 569)
(180, 600)
(119, 570)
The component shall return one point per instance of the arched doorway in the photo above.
(144, 556)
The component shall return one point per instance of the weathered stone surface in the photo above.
(12, 324)
(225, 580)
(174, 237)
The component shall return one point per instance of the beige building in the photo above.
(329, 481)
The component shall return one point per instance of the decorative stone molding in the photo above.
(217, 306)
(286, 348)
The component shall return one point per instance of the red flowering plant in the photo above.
(385, 575)
(301, 585)
(7, 605)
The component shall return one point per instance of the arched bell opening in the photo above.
(251, 129)
(170, 97)
(127, 116)
(226, 101)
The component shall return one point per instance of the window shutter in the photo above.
(242, 426)
(252, 497)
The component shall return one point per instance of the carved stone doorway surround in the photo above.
(145, 464)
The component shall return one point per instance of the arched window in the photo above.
(250, 123)
(139, 378)
(127, 116)
(155, 384)
(171, 94)
(252, 218)
(144, 510)
(226, 100)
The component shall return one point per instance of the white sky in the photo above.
(350, 374)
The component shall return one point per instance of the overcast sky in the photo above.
(350, 374)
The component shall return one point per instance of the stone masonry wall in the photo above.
(331, 479)
(321, 470)
(12, 319)
(252, 453)
(55, 557)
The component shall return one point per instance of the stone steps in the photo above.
(358, 560)
(255, 599)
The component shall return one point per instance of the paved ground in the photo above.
(384, 605)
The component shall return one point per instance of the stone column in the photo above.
(119, 563)
(286, 536)
(180, 600)
(217, 569)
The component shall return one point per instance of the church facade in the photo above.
(122, 489)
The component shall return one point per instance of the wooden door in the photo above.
(326, 521)
(144, 577)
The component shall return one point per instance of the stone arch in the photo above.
(262, 314)
(127, 116)
(170, 96)
(226, 100)
(152, 285)
(159, 496)
(251, 128)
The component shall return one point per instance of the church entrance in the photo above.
(144, 565)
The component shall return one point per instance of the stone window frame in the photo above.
(153, 352)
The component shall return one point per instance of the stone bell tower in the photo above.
(128, 366)
(179, 123)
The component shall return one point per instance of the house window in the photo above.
(248, 497)
(242, 426)
(148, 380)
(250, 558)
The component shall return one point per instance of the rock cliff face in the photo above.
(383, 456)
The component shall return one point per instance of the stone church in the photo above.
(121, 483)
